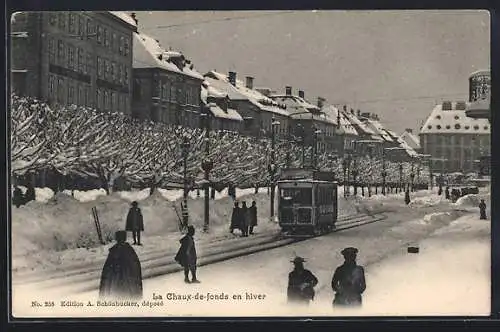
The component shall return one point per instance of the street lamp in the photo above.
(207, 166)
(272, 165)
(185, 147)
(303, 141)
(400, 176)
(316, 132)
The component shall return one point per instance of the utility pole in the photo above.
(207, 166)
(272, 165)
(185, 147)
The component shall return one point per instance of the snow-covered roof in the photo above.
(378, 128)
(241, 92)
(361, 127)
(453, 122)
(345, 125)
(148, 53)
(296, 102)
(207, 90)
(218, 112)
(480, 72)
(125, 17)
(410, 139)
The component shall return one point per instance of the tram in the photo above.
(307, 202)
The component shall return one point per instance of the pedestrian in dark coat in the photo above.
(245, 219)
(135, 223)
(482, 210)
(348, 281)
(252, 213)
(447, 193)
(235, 218)
(30, 194)
(186, 256)
(121, 275)
(17, 197)
(301, 283)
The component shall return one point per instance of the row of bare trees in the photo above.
(73, 140)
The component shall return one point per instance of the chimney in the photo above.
(321, 101)
(352, 111)
(301, 94)
(409, 130)
(249, 82)
(232, 78)
(345, 108)
(359, 112)
(134, 18)
(288, 90)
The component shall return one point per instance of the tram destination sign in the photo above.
(306, 173)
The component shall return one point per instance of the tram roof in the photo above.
(306, 181)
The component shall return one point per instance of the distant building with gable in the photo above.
(221, 115)
(166, 87)
(457, 140)
(412, 140)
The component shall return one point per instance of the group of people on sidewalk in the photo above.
(348, 282)
(244, 218)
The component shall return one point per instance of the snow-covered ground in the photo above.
(450, 276)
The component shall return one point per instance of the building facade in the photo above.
(81, 58)
(454, 140)
(256, 109)
(221, 116)
(166, 87)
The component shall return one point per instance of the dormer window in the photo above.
(485, 127)
(448, 126)
(476, 127)
(457, 126)
(438, 126)
(438, 117)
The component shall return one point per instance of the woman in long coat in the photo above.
(252, 214)
(135, 223)
(186, 256)
(245, 219)
(235, 218)
(121, 275)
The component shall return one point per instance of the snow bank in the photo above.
(171, 195)
(136, 195)
(85, 196)
(470, 200)
(430, 200)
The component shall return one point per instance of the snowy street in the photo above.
(382, 247)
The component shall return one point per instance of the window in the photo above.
(52, 86)
(89, 64)
(99, 97)
(71, 56)
(429, 127)
(99, 67)
(448, 126)
(81, 61)
(71, 94)
(119, 73)
(438, 126)
(476, 127)
(106, 69)
(125, 77)
(166, 96)
(90, 28)
(112, 72)
(53, 19)
(72, 23)
(88, 96)
(62, 20)
(60, 50)
(99, 34)
(81, 31)
(126, 47)
(122, 41)
(113, 42)
(173, 97)
(106, 37)
(457, 126)
(106, 100)
(112, 100)
(60, 89)
(485, 127)
(467, 127)
(438, 117)
(52, 50)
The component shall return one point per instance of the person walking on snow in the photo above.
(348, 281)
(252, 213)
(245, 219)
(235, 218)
(135, 223)
(186, 256)
(482, 210)
(121, 275)
(301, 283)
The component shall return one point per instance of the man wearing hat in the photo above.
(482, 210)
(348, 281)
(301, 283)
(121, 275)
(135, 223)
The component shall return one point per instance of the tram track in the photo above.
(87, 279)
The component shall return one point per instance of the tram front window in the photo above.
(300, 196)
